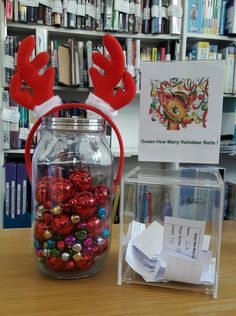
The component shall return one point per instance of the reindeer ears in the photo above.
(39, 88)
(114, 71)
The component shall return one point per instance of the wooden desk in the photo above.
(25, 291)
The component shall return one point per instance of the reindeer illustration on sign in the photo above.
(179, 102)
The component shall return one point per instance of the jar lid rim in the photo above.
(74, 123)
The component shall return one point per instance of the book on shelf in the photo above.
(69, 14)
(14, 126)
(223, 18)
(9, 10)
(202, 50)
(228, 53)
(175, 13)
(6, 124)
(80, 20)
(230, 23)
(64, 65)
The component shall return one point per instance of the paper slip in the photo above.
(149, 242)
(134, 230)
(183, 269)
(184, 235)
(137, 265)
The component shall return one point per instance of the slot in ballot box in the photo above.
(170, 228)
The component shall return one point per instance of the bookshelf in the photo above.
(128, 118)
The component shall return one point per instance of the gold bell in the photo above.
(47, 234)
(56, 210)
(77, 256)
(75, 219)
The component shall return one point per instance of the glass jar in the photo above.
(72, 184)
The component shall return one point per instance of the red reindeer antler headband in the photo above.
(42, 101)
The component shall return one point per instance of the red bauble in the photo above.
(82, 180)
(93, 224)
(39, 231)
(86, 204)
(62, 224)
(47, 204)
(85, 263)
(41, 192)
(55, 263)
(72, 202)
(70, 265)
(61, 191)
(66, 208)
(47, 217)
(102, 194)
(102, 247)
(61, 245)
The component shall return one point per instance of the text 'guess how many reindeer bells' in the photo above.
(72, 177)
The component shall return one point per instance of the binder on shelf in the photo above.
(23, 196)
(10, 195)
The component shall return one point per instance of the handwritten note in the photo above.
(184, 236)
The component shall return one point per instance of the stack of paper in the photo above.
(179, 251)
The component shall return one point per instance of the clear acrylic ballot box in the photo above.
(170, 228)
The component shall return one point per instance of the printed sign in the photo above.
(181, 111)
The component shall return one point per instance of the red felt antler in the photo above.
(41, 86)
(114, 71)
